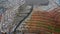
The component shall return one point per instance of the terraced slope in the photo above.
(44, 22)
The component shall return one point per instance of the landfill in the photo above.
(29, 16)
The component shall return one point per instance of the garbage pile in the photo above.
(8, 14)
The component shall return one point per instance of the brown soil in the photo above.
(44, 22)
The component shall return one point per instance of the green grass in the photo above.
(57, 30)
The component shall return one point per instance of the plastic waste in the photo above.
(8, 12)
